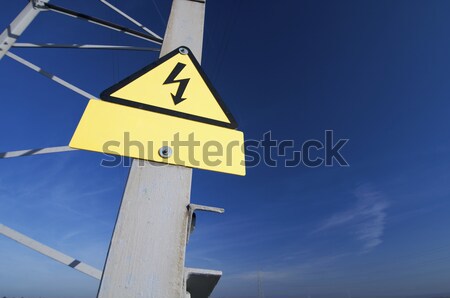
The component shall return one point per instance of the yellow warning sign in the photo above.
(120, 130)
(175, 85)
(167, 112)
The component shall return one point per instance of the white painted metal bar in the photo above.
(50, 252)
(30, 152)
(147, 251)
(51, 76)
(16, 28)
(83, 46)
(130, 19)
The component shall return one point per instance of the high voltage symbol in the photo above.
(178, 97)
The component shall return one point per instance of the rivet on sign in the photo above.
(165, 152)
(183, 51)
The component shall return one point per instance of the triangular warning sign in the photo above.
(174, 85)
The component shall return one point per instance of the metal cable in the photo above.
(130, 19)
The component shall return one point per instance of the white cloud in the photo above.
(366, 219)
(264, 275)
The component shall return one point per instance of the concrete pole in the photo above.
(147, 251)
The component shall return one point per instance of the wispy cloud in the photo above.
(265, 275)
(281, 278)
(366, 219)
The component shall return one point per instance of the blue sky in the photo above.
(374, 72)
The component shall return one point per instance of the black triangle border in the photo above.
(106, 94)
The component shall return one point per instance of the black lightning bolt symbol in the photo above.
(178, 97)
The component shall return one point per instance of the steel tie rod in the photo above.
(82, 46)
(100, 22)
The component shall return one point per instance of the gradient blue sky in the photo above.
(375, 72)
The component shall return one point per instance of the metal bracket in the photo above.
(200, 283)
(9, 36)
(39, 4)
(192, 217)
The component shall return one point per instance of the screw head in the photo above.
(183, 51)
(165, 152)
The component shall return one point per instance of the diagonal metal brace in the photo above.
(50, 252)
(50, 76)
(192, 217)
